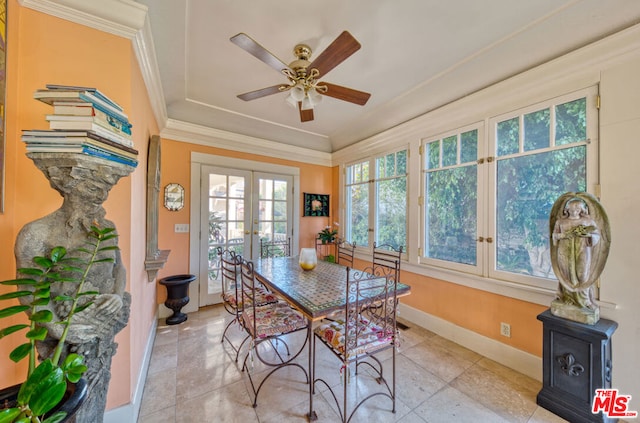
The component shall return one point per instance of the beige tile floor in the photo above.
(193, 377)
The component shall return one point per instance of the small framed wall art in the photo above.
(316, 204)
(174, 197)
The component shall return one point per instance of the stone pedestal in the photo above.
(576, 361)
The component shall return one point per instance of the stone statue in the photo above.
(580, 238)
(84, 182)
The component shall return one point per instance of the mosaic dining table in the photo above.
(315, 293)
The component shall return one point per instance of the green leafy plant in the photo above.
(327, 235)
(46, 382)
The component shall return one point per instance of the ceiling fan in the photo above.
(305, 89)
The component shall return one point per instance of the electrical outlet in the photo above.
(505, 329)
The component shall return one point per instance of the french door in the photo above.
(238, 209)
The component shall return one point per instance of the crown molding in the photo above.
(119, 17)
(145, 52)
(202, 135)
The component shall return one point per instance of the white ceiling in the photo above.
(416, 55)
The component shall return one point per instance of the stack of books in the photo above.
(84, 121)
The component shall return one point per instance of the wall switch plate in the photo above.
(181, 227)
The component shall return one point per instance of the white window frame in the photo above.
(481, 177)
(592, 145)
(486, 225)
(373, 209)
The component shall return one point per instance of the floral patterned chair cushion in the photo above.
(272, 320)
(262, 297)
(370, 337)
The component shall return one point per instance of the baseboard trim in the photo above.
(506, 355)
(129, 412)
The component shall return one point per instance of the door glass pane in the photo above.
(264, 210)
(217, 220)
(272, 209)
(226, 221)
(280, 210)
(280, 190)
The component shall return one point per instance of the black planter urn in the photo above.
(177, 296)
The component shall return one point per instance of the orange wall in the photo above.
(44, 49)
(176, 167)
(478, 311)
(143, 291)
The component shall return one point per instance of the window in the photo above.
(376, 208)
(391, 200)
(488, 213)
(451, 193)
(357, 203)
(540, 154)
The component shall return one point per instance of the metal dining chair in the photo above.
(232, 301)
(346, 250)
(388, 257)
(358, 337)
(265, 325)
(275, 248)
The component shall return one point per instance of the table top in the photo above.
(316, 293)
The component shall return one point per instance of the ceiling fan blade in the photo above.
(338, 51)
(346, 94)
(252, 95)
(305, 115)
(249, 45)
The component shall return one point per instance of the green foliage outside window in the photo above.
(539, 156)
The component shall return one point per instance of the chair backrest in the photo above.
(345, 252)
(247, 287)
(281, 248)
(387, 257)
(371, 303)
(229, 272)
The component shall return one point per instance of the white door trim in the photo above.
(200, 159)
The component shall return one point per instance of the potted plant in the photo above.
(38, 398)
(327, 235)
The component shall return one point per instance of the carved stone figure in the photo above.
(84, 182)
(580, 238)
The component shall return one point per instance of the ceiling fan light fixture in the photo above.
(314, 96)
(292, 101)
(297, 92)
(306, 103)
(303, 77)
